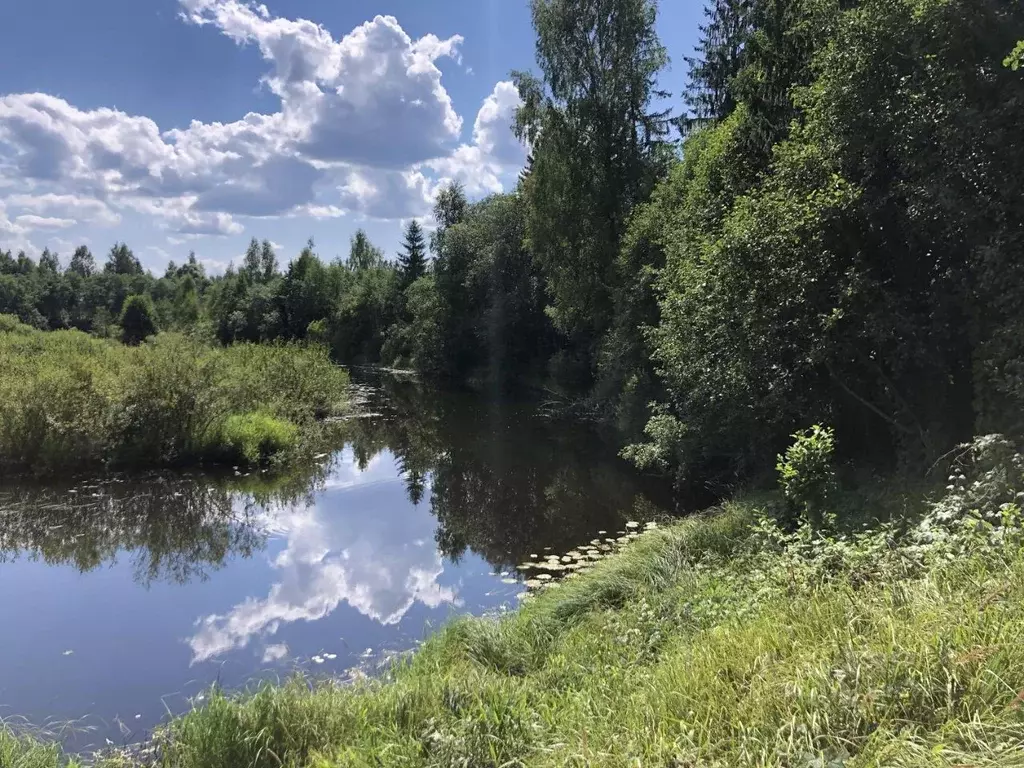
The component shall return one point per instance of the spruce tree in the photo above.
(710, 94)
(412, 262)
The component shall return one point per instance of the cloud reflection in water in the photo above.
(361, 542)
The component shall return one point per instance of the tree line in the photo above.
(830, 231)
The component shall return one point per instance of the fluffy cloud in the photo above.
(492, 131)
(495, 151)
(31, 221)
(372, 98)
(386, 194)
(365, 126)
(12, 234)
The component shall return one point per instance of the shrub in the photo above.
(317, 332)
(254, 437)
(11, 324)
(138, 319)
(806, 474)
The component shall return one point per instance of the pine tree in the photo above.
(412, 262)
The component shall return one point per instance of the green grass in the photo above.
(721, 640)
(256, 436)
(20, 750)
(69, 400)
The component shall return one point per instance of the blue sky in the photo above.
(180, 125)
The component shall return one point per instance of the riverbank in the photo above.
(719, 640)
(70, 401)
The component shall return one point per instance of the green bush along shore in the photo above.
(739, 637)
(69, 400)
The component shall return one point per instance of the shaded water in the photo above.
(124, 598)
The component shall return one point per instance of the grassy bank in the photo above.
(727, 639)
(69, 400)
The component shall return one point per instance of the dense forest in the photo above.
(828, 228)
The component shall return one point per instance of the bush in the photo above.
(11, 324)
(255, 437)
(805, 472)
(138, 319)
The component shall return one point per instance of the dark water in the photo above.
(124, 598)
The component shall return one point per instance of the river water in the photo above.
(124, 598)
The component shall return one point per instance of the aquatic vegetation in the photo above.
(254, 437)
(69, 400)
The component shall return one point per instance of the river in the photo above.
(125, 597)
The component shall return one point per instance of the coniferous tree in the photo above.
(709, 93)
(412, 262)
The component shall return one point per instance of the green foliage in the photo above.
(71, 400)
(138, 319)
(121, 261)
(412, 261)
(841, 250)
(11, 324)
(1016, 58)
(368, 304)
(596, 149)
(255, 437)
(806, 474)
(317, 332)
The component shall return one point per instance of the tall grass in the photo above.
(20, 750)
(70, 400)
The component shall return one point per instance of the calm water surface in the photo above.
(124, 598)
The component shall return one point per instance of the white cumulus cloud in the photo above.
(364, 125)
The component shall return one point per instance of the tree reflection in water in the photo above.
(175, 528)
(501, 481)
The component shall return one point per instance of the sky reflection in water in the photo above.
(123, 598)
